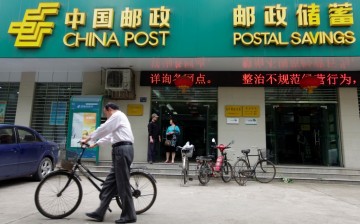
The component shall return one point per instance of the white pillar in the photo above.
(349, 126)
(25, 99)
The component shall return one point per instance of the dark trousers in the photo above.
(151, 152)
(117, 181)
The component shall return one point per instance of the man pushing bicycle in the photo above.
(117, 131)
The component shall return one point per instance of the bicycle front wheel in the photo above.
(226, 172)
(184, 172)
(144, 191)
(265, 171)
(241, 171)
(184, 176)
(58, 195)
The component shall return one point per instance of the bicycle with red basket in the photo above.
(207, 168)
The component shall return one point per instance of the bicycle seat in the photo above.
(205, 158)
(245, 151)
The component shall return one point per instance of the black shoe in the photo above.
(122, 220)
(95, 216)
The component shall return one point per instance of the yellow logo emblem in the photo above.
(32, 30)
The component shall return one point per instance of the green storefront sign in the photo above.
(168, 28)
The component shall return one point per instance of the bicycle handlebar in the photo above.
(184, 147)
(84, 145)
(223, 147)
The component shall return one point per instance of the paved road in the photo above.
(277, 202)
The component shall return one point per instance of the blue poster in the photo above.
(2, 111)
(58, 113)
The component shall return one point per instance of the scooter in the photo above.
(206, 167)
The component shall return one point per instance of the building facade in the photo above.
(247, 62)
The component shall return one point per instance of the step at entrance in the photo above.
(304, 173)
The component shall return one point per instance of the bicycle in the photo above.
(263, 171)
(59, 194)
(186, 153)
(206, 167)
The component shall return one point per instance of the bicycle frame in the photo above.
(206, 161)
(90, 176)
(246, 157)
(225, 157)
(185, 161)
(212, 165)
(84, 171)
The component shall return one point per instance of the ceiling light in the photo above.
(157, 93)
(169, 107)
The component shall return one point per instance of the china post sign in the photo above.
(149, 28)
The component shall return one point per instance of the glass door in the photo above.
(195, 112)
(303, 134)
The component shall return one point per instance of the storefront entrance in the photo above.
(302, 128)
(303, 133)
(195, 112)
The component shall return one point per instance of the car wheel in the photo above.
(45, 167)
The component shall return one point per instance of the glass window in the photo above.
(6, 136)
(8, 101)
(25, 136)
(51, 109)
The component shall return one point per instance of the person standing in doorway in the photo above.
(117, 131)
(154, 137)
(172, 134)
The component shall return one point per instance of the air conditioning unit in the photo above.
(119, 80)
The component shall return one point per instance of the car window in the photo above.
(6, 136)
(26, 136)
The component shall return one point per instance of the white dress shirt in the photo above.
(117, 128)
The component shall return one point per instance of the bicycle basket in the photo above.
(188, 151)
(68, 162)
(263, 153)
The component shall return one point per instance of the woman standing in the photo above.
(172, 133)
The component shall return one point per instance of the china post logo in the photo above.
(32, 30)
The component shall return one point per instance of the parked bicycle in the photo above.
(59, 194)
(263, 170)
(186, 152)
(207, 168)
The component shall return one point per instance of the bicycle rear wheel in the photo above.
(58, 195)
(241, 171)
(226, 172)
(204, 174)
(265, 171)
(144, 191)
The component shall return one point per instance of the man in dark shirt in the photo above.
(154, 137)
